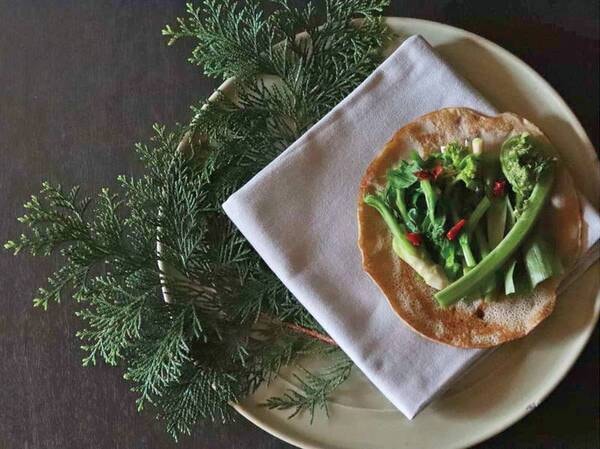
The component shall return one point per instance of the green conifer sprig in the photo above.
(229, 325)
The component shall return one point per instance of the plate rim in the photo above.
(562, 371)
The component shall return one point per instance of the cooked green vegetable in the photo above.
(484, 248)
(413, 194)
(401, 205)
(416, 257)
(510, 213)
(522, 162)
(463, 240)
(499, 255)
(510, 285)
(430, 199)
(403, 175)
(452, 213)
(397, 230)
(460, 164)
(477, 214)
(489, 286)
(541, 262)
(450, 258)
(537, 263)
(496, 222)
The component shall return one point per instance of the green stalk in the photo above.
(510, 213)
(430, 198)
(484, 250)
(496, 222)
(477, 214)
(401, 205)
(416, 257)
(398, 230)
(510, 285)
(463, 240)
(496, 226)
(540, 261)
(501, 253)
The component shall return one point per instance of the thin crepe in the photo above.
(474, 324)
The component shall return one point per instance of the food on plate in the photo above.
(467, 224)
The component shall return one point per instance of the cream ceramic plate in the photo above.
(514, 379)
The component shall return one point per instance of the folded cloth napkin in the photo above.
(299, 213)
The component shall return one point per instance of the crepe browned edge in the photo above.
(476, 324)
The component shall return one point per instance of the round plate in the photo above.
(512, 380)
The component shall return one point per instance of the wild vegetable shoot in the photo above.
(462, 219)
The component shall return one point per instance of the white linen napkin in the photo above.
(299, 213)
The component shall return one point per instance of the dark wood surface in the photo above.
(80, 82)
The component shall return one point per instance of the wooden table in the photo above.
(80, 83)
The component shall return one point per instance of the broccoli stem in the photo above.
(430, 198)
(501, 253)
